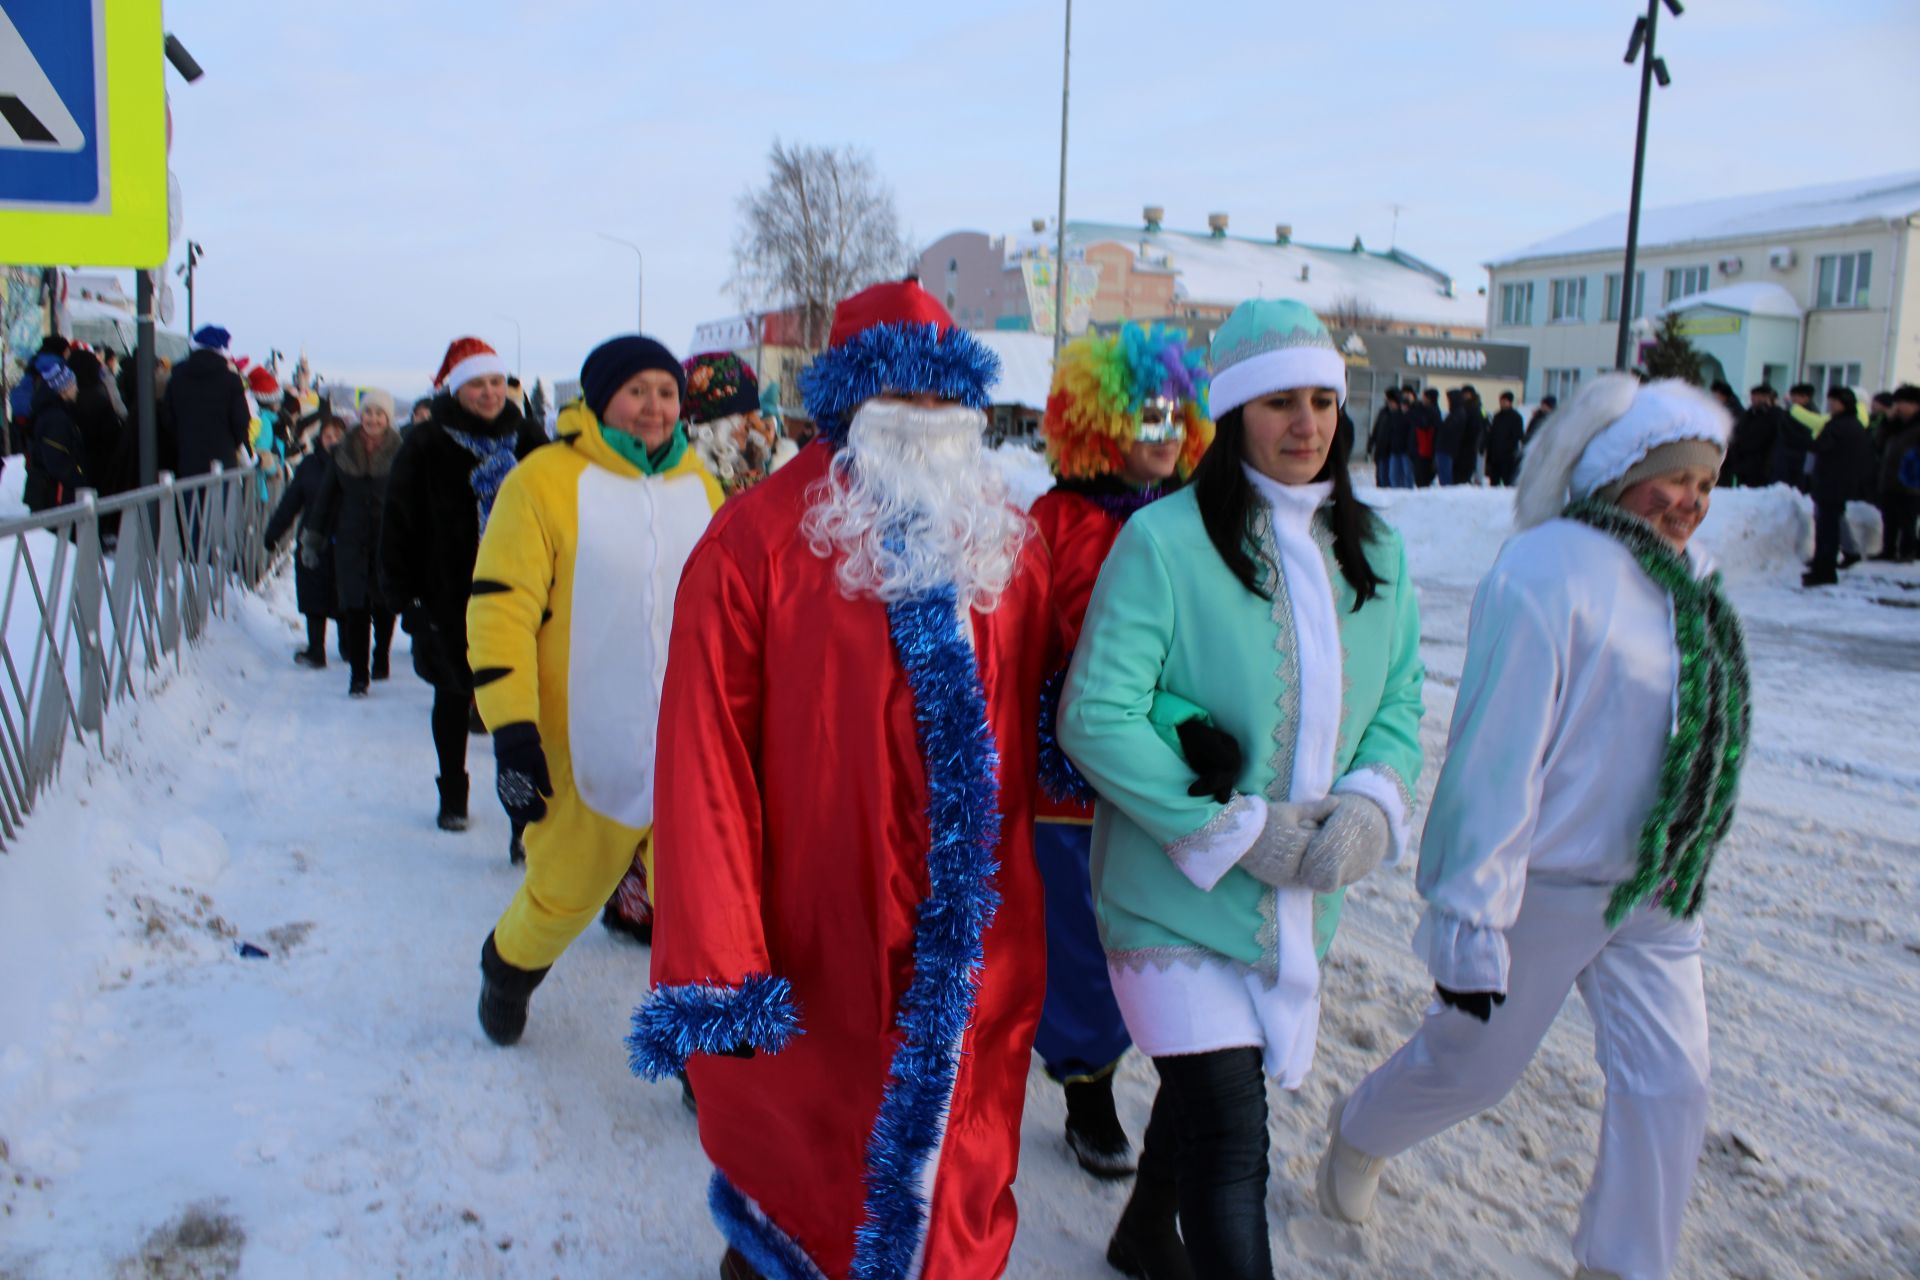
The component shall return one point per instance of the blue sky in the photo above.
(374, 177)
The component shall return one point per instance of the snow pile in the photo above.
(1454, 534)
(1026, 470)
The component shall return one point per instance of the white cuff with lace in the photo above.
(1461, 956)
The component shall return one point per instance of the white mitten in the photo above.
(1348, 845)
(1275, 858)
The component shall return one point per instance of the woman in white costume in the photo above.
(1591, 772)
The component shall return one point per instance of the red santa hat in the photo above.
(262, 383)
(467, 359)
(894, 337)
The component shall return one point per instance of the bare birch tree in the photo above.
(823, 227)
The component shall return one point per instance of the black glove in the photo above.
(1475, 1004)
(429, 648)
(1213, 755)
(520, 772)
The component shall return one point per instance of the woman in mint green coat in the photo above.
(1267, 602)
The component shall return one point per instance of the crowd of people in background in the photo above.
(1414, 445)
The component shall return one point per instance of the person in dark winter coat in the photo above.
(1426, 427)
(313, 567)
(1899, 502)
(206, 404)
(56, 460)
(440, 491)
(100, 425)
(348, 514)
(1844, 463)
(1541, 412)
(1453, 442)
(1380, 439)
(1750, 456)
(20, 398)
(1504, 438)
(1793, 440)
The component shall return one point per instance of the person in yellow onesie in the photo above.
(567, 636)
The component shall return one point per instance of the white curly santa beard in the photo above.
(912, 503)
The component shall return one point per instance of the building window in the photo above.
(1684, 282)
(1823, 376)
(1516, 304)
(1559, 383)
(1611, 310)
(1569, 300)
(1842, 279)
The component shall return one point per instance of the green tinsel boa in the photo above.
(1700, 773)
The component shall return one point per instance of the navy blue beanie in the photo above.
(614, 361)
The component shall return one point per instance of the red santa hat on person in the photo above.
(262, 383)
(894, 337)
(467, 359)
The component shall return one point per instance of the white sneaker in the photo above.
(1349, 1177)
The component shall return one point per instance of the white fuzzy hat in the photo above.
(1604, 432)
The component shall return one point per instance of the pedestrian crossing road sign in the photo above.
(83, 133)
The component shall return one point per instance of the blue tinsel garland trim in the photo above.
(765, 1247)
(1060, 781)
(963, 819)
(910, 358)
(678, 1022)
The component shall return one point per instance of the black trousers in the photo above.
(357, 626)
(1826, 535)
(317, 635)
(1208, 1131)
(1898, 512)
(450, 705)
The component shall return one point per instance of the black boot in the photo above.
(315, 658)
(1146, 1245)
(453, 803)
(504, 993)
(382, 667)
(735, 1267)
(1093, 1130)
(617, 924)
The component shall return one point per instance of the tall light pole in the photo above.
(195, 250)
(516, 340)
(1060, 221)
(640, 307)
(1639, 46)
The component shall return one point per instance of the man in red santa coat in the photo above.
(849, 948)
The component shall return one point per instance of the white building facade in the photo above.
(1818, 284)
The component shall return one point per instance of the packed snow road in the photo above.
(170, 1107)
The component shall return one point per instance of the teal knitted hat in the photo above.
(1268, 345)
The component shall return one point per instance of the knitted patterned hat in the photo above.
(1102, 384)
(719, 385)
(893, 337)
(54, 372)
(1271, 345)
(467, 359)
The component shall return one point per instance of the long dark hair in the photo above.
(1229, 505)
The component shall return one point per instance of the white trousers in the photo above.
(1642, 985)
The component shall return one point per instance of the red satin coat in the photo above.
(791, 839)
(1079, 533)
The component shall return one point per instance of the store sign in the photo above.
(1468, 359)
(1708, 326)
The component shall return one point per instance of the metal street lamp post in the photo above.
(640, 306)
(1652, 67)
(1060, 220)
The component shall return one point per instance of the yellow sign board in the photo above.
(1707, 326)
(83, 133)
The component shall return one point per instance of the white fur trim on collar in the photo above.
(1662, 412)
(1272, 371)
(474, 366)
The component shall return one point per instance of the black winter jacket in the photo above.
(431, 533)
(312, 588)
(1504, 437)
(1750, 453)
(206, 407)
(1844, 460)
(56, 460)
(348, 512)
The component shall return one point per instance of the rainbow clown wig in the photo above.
(1103, 384)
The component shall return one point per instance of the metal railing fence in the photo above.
(99, 594)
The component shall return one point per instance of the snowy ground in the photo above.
(332, 1109)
